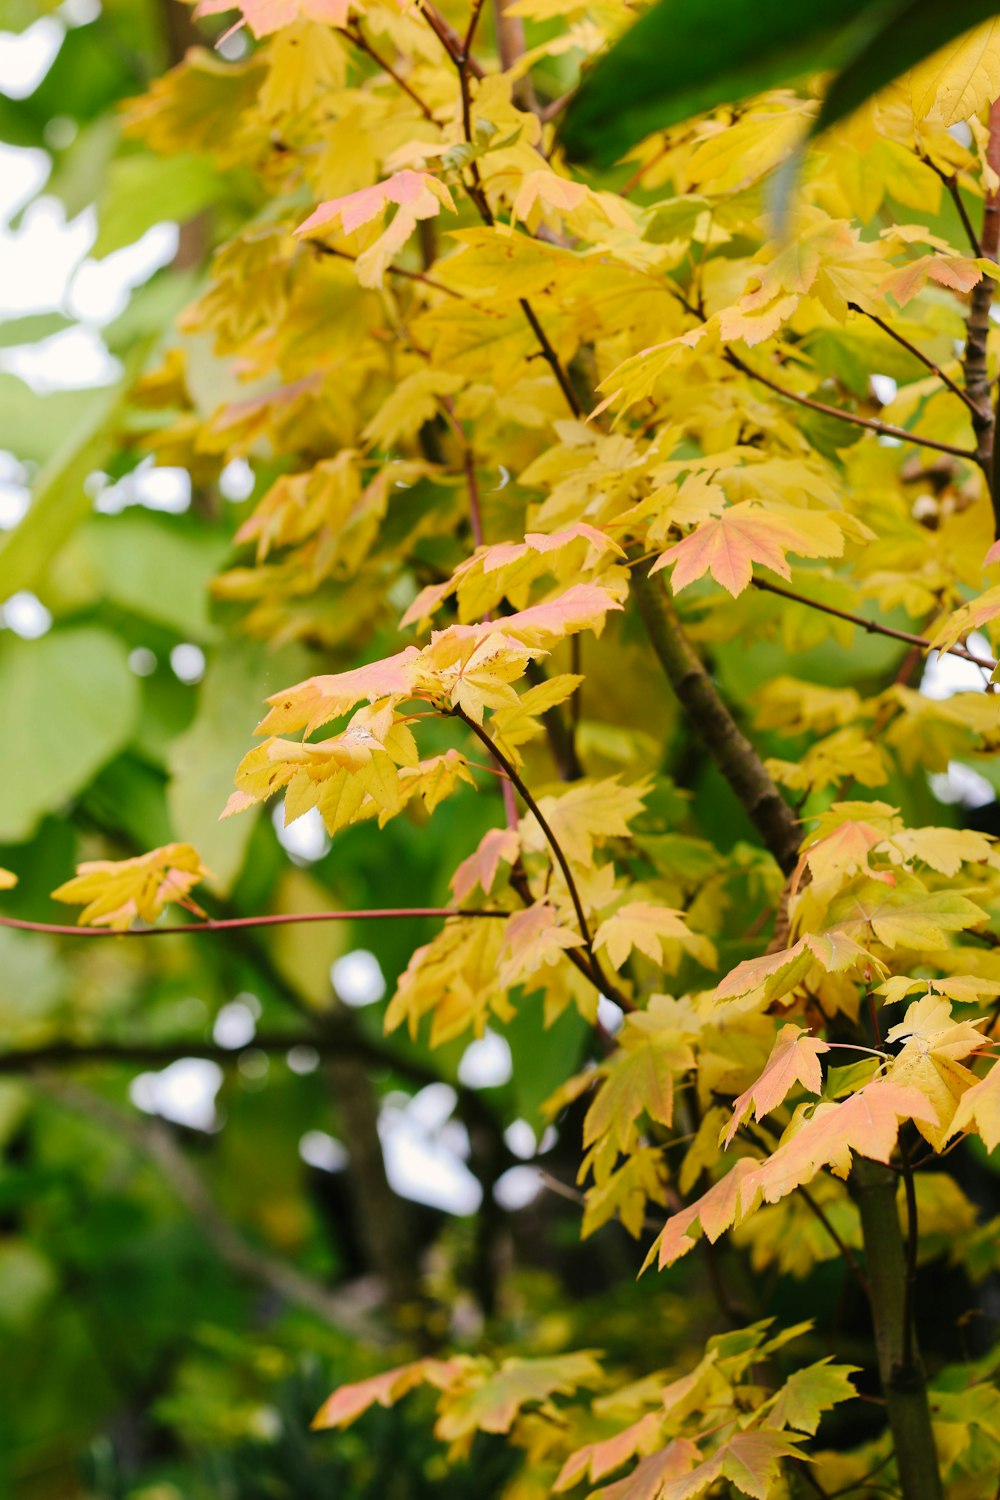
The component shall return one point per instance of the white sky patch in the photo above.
(486, 1063)
(15, 496)
(522, 1141)
(184, 1092)
(37, 262)
(188, 662)
(357, 978)
(165, 489)
(323, 1151)
(961, 785)
(235, 1025)
(26, 615)
(23, 173)
(142, 661)
(100, 289)
(945, 675)
(302, 1059)
(425, 1150)
(236, 481)
(885, 388)
(26, 56)
(70, 360)
(517, 1187)
(305, 840)
(610, 1014)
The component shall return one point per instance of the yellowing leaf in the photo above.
(957, 81)
(979, 1109)
(310, 704)
(480, 868)
(728, 545)
(928, 1024)
(809, 1392)
(651, 929)
(638, 1079)
(585, 815)
(7, 880)
(492, 1398)
(265, 16)
(349, 1402)
(417, 195)
(794, 1059)
(597, 1459)
(114, 893)
(654, 1476)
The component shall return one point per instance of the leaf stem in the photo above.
(918, 354)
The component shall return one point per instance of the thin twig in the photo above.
(268, 919)
(438, 286)
(875, 627)
(871, 424)
(918, 354)
(606, 985)
(354, 34)
(448, 37)
(841, 1244)
(951, 183)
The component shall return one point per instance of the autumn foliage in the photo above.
(509, 413)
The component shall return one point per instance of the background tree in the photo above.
(442, 427)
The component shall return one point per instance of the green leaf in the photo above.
(811, 1391)
(158, 567)
(69, 702)
(901, 41)
(30, 329)
(686, 56)
(142, 190)
(201, 761)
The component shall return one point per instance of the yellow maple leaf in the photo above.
(114, 893)
(265, 16)
(727, 546)
(417, 195)
(794, 1059)
(980, 1107)
(658, 931)
(956, 82)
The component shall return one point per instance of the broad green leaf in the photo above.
(157, 567)
(686, 56)
(142, 190)
(69, 701)
(201, 760)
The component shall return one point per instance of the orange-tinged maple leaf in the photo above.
(310, 704)
(599, 1459)
(727, 546)
(480, 868)
(638, 1079)
(582, 607)
(656, 1475)
(979, 1109)
(421, 195)
(7, 880)
(114, 893)
(650, 928)
(349, 1402)
(532, 940)
(775, 974)
(971, 616)
(492, 1398)
(266, 16)
(714, 1212)
(794, 1059)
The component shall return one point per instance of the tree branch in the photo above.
(977, 329)
(153, 1139)
(874, 627)
(728, 746)
(918, 354)
(598, 977)
(231, 924)
(354, 34)
(871, 424)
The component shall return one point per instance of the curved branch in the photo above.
(231, 924)
(871, 424)
(606, 986)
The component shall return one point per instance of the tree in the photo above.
(598, 540)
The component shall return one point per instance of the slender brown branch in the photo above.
(552, 357)
(951, 183)
(728, 746)
(918, 354)
(874, 627)
(354, 34)
(850, 1258)
(438, 286)
(448, 37)
(229, 924)
(606, 985)
(977, 330)
(871, 424)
